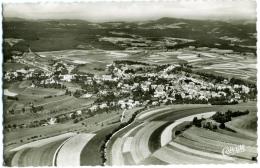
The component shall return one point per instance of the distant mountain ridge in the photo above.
(163, 20)
(54, 34)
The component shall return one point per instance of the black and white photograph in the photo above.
(119, 83)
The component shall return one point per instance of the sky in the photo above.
(135, 11)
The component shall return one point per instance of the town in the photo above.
(126, 84)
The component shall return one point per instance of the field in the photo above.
(52, 107)
(20, 140)
(206, 143)
(213, 143)
(148, 140)
(229, 65)
(94, 123)
(70, 152)
(246, 123)
(13, 66)
(215, 61)
(90, 154)
(27, 154)
(135, 144)
(89, 61)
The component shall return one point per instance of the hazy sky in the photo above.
(129, 11)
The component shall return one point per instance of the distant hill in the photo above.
(13, 19)
(45, 35)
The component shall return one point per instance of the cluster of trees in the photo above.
(99, 69)
(109, 97)
(161, 67)
(140, 95)
(183, 69)
(219, 117)
(10, 127)
(38, 75)
(207, 124)
(76, 120)
(94, 87)
(67, 92)
(129, 62)
(180, 100)
(60, 69)
(214, 100)
(219, 79)
(197, 122)
(242, 82)
(109, 85)
(222, 102)
(35, 109)
(33, 124)
(11, 50)
(13, 98)
(50, 85)
(79, 93)
(19, 77)
(129, 71)
(227, 116)
(210, 76)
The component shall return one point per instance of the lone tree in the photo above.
(222, 126)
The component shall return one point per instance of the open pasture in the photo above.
(13, 66)
(41, 92)
(25, 91)
(51, 107)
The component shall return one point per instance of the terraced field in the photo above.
(81, 149)
(69, 154)
(149, 140)
(30, 157)
(29, 154)
(137, 144)
(212, 144)
(90, 154)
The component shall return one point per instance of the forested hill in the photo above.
(46, 35)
